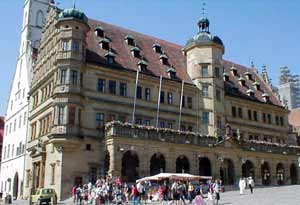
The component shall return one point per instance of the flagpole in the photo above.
(134, 101)
(158, 100)
(180, 106)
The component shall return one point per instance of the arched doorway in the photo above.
(204, 166)
(182, 164)
(248, 169)
(265, 174)
(293, 173)
(227, 172)
(157, 164)
(130, 164)
(16, 186)
(280, 173)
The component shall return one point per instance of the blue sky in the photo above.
(266, 32)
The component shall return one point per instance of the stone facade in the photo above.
(84, 80)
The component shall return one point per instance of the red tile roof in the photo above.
(176, 58)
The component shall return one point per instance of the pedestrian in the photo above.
(251, 184)
(210, 191)
(74, 193)
(175, 192)
(79, 193)
(217, 188)
(191, 190)
(242, 185)
(134, 195)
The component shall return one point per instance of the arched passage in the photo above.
(280, 173)
(293, 174)
(204, 166)
(182, 164)
(157, 164)
(130, 164)
(16, 186)
(265, 173)
(248, 169)
(227, 174)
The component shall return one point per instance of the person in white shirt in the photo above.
(251, 184)
(242, 185)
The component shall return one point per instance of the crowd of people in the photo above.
(243, 182)
(108, 191)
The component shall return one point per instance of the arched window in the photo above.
(39, 18)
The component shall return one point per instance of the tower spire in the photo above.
(203, 9)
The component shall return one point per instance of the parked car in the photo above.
(44, 196)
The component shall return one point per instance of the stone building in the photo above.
(108, 100)
(16, 117)
(1, 135)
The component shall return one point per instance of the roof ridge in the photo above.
(136, 32)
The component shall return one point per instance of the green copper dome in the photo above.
(73, 13)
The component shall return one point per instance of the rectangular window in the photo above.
(161, 124)
(249, 115)
(233, 111)
(162, 97)
(170, 125)
(217, 72)
(138, 121)
(205, 92)
(74, 76)
(100, 119)
(20, 121)
(147, 122)
(281, 121)
(255, 115)
(277, 120)
(112, 87)
(264, 118)
(123, 89)
(101, 86)
(75, 46)
(63, 76)
(219, 122)
(61, 115)
(205, 118)
(65, 45)
(139, 92)
(15, 124)
(218, 95)
(25, 118)
(72, 113)
(204, 71)
(269, 119)
(147, 94)
(170, 98)
(190, 102)
(240, 111)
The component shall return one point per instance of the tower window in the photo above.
(75, 46)
(135, 51)
(190, 102)
(205, 92)
(130, 40)
(147, 94)
(112, 87)
(123, 89)
(164, 59)
(170, 98)
(204, 71)
(139, 92)
(99, 31)
(233, 111)
(157, 48)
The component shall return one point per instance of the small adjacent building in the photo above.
(108, 100)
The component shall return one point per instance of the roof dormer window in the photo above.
(234, 70)
(110, 57)
(250, 92)
(248, 75)
(242, 81)
(164, 59)
(130, 40)
(266, 97)
(135, 51)
(256, 85)
(172, 72)
(143, 65)
(99, 31)
(225, 76)
(157, 48)
(104, 43)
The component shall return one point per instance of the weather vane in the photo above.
(203, 9)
